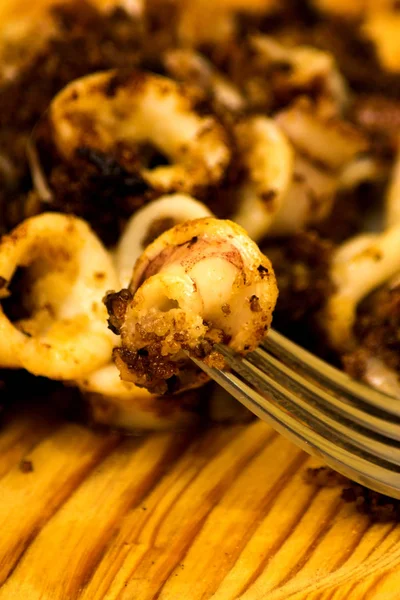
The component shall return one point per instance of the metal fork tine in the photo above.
(318, 395)
(298, 358)
(382, 476)
(334, 429)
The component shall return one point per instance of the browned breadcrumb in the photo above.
(226, 309)
(302, 268)
(324, 477)
(377, 328)
(377, 507)
(116, 303)
(84, 41)
(26, 466)
(255, 303)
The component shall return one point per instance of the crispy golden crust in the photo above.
(201, 283)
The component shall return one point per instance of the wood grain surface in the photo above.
(219, 513)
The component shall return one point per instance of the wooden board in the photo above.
(223, 513)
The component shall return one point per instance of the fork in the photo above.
(353, 428)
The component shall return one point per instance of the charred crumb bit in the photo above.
(26, 333)
(226, 339)
(324, 477)
(263, 271)
(110, 168)
(282, 66)
(26, 466)
(119, 80)
(246, 347)
(377, 507)
(116, 303)
(215, 360)
(298, 177)
(156, 228)
(255, 305)
(173, 384)
(151, 370)
(193, 241)
(355, 363)
(99, 275)
(180, 337)
(226, 309)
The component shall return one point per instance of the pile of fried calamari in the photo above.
(146, 147)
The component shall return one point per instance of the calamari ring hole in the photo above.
(152, 157)
(155, 229)
(37, 289)
(14, 305)
(165, 304)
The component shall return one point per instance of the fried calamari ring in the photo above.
(115, 109)
(307, 68)
(283, 191)
(60, 330)
(330, 141)
(268, 159)
(201, 282)
(189, 66)
(148, 223)
(359, 266)
(308, 201)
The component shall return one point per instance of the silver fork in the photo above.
(351, 427)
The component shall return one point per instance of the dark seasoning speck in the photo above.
(26, 466)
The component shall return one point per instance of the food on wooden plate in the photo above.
(138, 121)
(200, 283)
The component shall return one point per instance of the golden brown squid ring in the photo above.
(332, 142)
(115, 109)
(283, 191)
(189, 66)
(308, 65)
(200, 282)
(268, 159)
(62, 330)
(360, 265)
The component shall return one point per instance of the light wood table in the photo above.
(222, 513)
